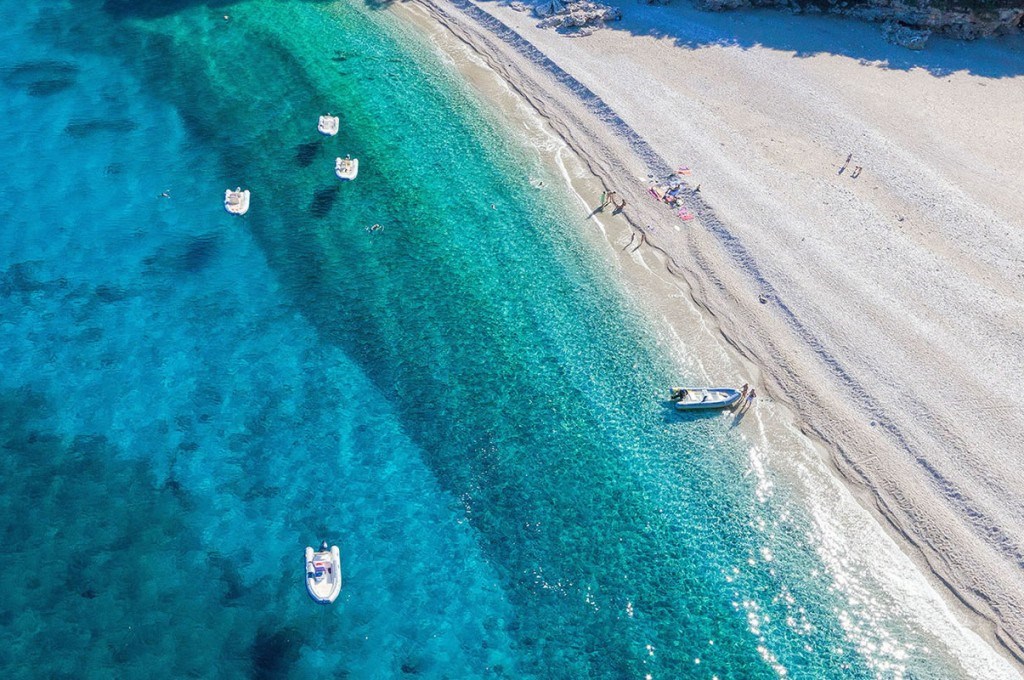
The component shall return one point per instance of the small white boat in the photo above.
(701, 398)
(323, 573)
(328, 125)
(346, 168)
(236, 202)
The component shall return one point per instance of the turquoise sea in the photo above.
(465, 401)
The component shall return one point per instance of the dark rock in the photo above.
(905, 36)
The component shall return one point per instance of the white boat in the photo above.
(701, 398)
(323, 573)
(328, 125)
(236, 202)
(346, 168)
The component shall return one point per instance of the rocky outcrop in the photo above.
(907, 23)
(577, 17)
(904, 36)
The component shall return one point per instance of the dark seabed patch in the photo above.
(87, 128)
(199, 253)
(306, 153)
(41, 78)
(109, 293)
(28, 277)
(70, 479)
(191, 256)
(273, 652)
(151, 9)
(323, 201)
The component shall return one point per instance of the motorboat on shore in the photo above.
(346, 168)
(703, 398)
(323, 573)
(236, 202)
(328, 125)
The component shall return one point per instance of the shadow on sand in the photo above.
(806, 35)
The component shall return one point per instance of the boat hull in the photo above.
(323, 574)
(236, 202)
(707, 398)
(328, 125)
(346, 169)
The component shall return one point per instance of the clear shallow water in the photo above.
(464, 402)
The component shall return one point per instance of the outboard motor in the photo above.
(324, 547)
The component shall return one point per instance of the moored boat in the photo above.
(328, 125)
(701, 398)
(323, 573)
(236, 202)
(346, 168)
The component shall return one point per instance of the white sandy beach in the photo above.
(892, 323)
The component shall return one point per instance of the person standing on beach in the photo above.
(750, 399)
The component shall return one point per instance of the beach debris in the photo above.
(856, 172)
(576, 17)
(899, 34)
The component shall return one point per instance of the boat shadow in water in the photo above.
(305, 153)
(674, 415)
(323, 201)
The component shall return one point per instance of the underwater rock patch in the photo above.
(323, 201)
(87, 128)
(42, 78)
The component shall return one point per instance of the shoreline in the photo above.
(723, 293)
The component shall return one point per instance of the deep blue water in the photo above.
(464, 401)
